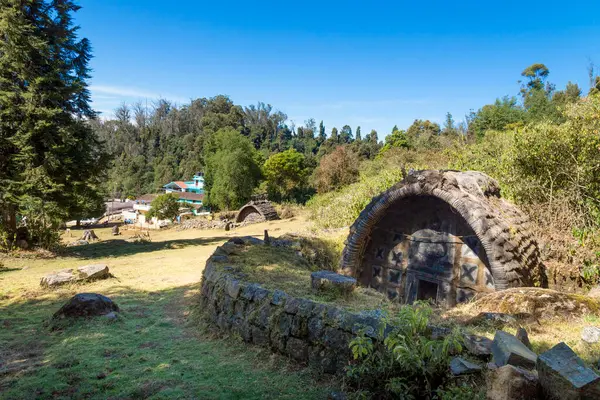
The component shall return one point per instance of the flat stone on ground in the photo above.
(58, 278)
(93, 271)
(84, 273)
(460, 366)
(507, 349)
(590, 334)
(327, 280)
(563, 375)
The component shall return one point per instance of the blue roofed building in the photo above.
(196, 185)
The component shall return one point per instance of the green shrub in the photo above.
(342, 207)
(407, 365)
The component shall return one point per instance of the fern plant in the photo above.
(407, 365)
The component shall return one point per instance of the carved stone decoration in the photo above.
(442, 236)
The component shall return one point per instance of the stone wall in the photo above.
(305, 330)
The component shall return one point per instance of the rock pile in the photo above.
(84, 273)
(516, 372)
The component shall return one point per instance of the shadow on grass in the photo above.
(121, 247)
(2, 270)
(154, 348)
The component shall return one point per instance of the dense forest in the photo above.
(153, 145)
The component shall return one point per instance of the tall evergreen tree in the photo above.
(322, 136)
(49, 156)
(358, 135)
(346, 134)
(334, 135)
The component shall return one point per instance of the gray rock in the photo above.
(479, 346)
(460, 366)
(523, 337)
(260, 337)
(495, 319)
(329, 280)
(219, 258)
(233, 288)
(511, 383)
(507, 349)
(564, 376)
(58, 278)
(93, 271)
(279, 297)
(83, 273)
(86, 305)
(590, 334)
(297, 349)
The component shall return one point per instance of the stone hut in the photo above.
(259, 210)
(443, 236)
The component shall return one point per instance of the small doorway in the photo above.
(427, 291)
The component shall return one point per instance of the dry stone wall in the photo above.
(308, 331)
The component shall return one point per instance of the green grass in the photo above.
(157, 348)
(153, 351)
(281, 268)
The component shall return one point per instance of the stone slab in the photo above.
(507, 349)
(563, 375)
(329, 280)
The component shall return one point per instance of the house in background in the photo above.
(190, 194)
(196, 185)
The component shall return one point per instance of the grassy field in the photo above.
(156, 349)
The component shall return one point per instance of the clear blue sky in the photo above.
(371, 63)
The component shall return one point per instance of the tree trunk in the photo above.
(9, 215)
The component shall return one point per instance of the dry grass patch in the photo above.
(550, 317)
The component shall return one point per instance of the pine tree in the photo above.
(49, 155)
(358, 135)
(322, 136)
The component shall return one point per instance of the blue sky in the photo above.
(373, 64)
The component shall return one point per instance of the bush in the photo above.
(338, 169)
(407, 365)
(232, 170)
(286, 176)
(341, 208)
(164, 206)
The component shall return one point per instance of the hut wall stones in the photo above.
(442, 235)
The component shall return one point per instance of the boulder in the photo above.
(58, 278)
(523, 337)
(511, 383)
(564, 376)
(86, 305)
(590, 334)
(329, 280)
(460, 366)
(507, 349)
(93, 271)
(479, 346)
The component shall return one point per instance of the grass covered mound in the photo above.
(288, 267)
(534, 302)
